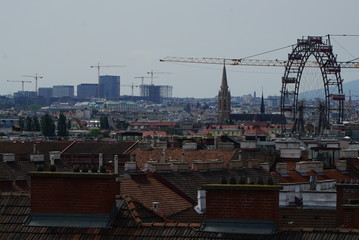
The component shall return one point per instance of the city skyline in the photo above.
(61, 40)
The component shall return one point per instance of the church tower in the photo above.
(224, 100)
(262, 117)
(263, 110)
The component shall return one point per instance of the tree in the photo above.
(47, 125)
(95, 132)
(28, 124)
(21, 122)
(104, 122)
(35, 124)
(62, 126)
(122, 125)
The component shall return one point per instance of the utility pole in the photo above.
(98, 66)
(22, 83)
(35, 77)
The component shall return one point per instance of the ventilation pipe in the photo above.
(201, 205)
(100, 160)
(182, 156)
(163, 156)
(52, 163)
(313, 182)
(155, 206)
(116, 164)
(52, 160)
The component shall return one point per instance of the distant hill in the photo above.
(351, 85)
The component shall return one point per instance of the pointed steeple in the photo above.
(224, 99)
(262, 105)
(224, 77)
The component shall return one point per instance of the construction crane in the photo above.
(22, 83)
(142, 78)
(36, 77)
(152, 73)
(250, 62)
(98, 66)
(132, 87)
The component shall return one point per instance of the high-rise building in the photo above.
(109, 86)
(63, 91)
(45, 92)
(87, 90)
(155, 93)
(224, 100)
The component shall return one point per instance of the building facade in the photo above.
(63, 91)
(109, 87)
(87, 90)
(45, 92)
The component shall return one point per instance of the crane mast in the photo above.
(98, 66)
(22, 83)
(36, 77)
(151, 73)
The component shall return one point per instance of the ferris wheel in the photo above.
(322, 80)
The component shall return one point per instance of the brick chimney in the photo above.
(348, 205)
(72, 193)
(241, 207)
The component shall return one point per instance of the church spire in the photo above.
(224, 100)
(262, 104)
(224, 77)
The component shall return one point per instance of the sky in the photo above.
(60, 40)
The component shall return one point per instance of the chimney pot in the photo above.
(116, 164)
(155, 206)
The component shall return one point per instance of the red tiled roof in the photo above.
(154, 124)
(256, 130)
(188, 215)
(143, 156)
(15, 210)
(152, 190)
(155, 133)
(19, 147)
(295, 177)
(224, 127)
(99, 147)
(189, 182)
(314, 218)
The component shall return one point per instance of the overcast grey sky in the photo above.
(61, 39)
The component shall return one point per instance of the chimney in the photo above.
(313, 182)
(163, 156)
(115, 160)
(348, 205)
(71, 193)
(100, 160)
(182, 156)
(241, 207)
(341, 165)
(199, 165)
(235, 164)
(155, 206)
(201, 197)
(52, 160)
(282, 168)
